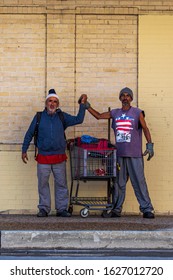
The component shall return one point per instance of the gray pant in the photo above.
(133, 168)
(60, 186)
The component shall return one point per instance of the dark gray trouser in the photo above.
(133, 168)
(60, 186)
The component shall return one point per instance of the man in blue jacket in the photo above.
(51, 156)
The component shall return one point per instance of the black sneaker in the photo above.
(42, 213)
(148, 215)
(115, 214)
(63, 213)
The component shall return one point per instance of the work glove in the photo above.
(86, 103)
(149, 150)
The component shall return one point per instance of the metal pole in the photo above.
(109, 130)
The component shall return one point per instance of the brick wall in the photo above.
(106, 52)
(61, 60)
(76, 47)
(22, 72)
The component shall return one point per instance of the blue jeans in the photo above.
(60, 186)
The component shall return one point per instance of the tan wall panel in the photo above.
(156, 98)
(18, 182)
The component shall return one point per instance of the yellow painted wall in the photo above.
(155, 96)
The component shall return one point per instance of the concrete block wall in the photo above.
(76, 47)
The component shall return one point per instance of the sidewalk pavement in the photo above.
(94, 232)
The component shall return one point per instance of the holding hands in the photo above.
(83, 99)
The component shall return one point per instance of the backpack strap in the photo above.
(38, 116)
(61, 116)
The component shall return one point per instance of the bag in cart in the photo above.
(94, 161)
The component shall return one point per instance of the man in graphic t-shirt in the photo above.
(128, 123)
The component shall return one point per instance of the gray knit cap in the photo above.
(126, 90)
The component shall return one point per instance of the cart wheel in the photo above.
(106, 214)
(70, 209)
(84, 212)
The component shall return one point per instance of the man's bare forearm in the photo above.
(97, 115)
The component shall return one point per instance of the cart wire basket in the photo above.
(92, 162)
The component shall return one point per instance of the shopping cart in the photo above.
(90, 162)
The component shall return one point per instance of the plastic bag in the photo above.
(88, 139)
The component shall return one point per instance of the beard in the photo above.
(51, 111)
(125, 103)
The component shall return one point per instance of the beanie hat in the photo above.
(126, 90)
(52, 93)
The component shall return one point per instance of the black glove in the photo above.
(149, 150)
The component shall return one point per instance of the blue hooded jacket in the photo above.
(51, 139)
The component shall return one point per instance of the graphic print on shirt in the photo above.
(124, 128)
